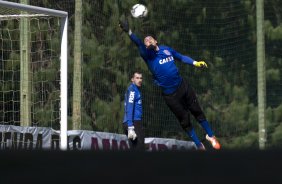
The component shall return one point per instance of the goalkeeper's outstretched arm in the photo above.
(188, 60)
(124, 25)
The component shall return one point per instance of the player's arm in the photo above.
(188, 60)
(124, 25)
(130, 100)
(136, 40)
(130, 107)
(141, 47)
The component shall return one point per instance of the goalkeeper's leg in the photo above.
(176, 103)
(140, 141)
(198, 113)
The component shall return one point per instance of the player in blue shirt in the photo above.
(132, 124)
(177, 92)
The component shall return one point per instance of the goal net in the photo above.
(33, 67)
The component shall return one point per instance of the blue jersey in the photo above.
(161, 63)
(132, 105)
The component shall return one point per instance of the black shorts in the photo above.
(139, 142)
(182, 101)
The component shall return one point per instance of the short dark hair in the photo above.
(134, 72)
(152, 35)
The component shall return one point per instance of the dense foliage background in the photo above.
(222, 32)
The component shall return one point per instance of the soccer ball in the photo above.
(139, 11)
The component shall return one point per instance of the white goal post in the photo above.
(39, 11)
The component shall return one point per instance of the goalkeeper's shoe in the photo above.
(215, 144)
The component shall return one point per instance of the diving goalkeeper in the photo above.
(178, 94)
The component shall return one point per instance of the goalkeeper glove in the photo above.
(200, 64)
(131, 133)
(124, 25)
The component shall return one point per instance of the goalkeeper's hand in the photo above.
(200, 64)
(131, 133)
(124, 25)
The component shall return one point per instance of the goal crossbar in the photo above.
(63, 57)
(6, 17)
(34, 9)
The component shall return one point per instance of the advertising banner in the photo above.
(17, 137)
